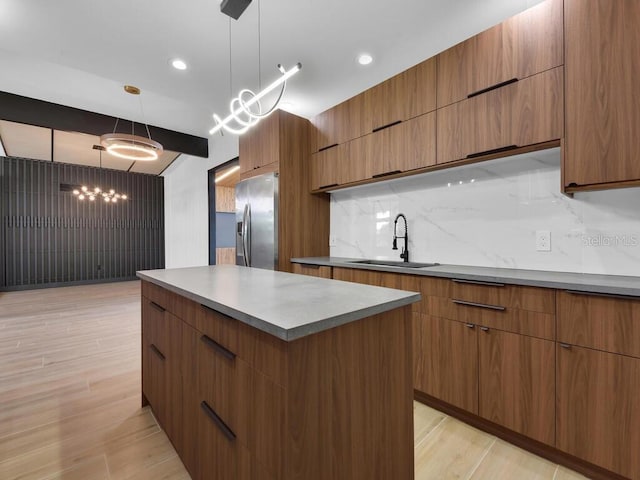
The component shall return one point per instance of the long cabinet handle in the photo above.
(386, 174)
(478, 282)
(218, 421)
(327, 186)
(492, 151)
(604, 295)
(157, 351)
(565, 346)
(493, 87)
(388, 125)
(484, 329)
(327, 147)
(215, 346)
(469, 325)
(158, 307)
(480, 305)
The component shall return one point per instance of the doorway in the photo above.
(222, 212)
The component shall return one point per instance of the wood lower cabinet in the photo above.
(521, 46)
(517, 383)
(161, 359)
(520, 114)
(312, 270)
(602, 107)
(599, 408)
(445, 361)
(246, 405)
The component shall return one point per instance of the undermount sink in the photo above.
(394, 263)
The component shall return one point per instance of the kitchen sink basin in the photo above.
(394, 263)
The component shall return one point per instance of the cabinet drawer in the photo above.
(520, 297)
(524, 113)
(519, 47)
(224, 383)
(525, 322)
(600, 322)
(176, 304)
(218, 327)
(312, 270)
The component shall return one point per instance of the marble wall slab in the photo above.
(487, 214)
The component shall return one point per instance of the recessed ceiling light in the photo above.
(365, 59)
(179, 64)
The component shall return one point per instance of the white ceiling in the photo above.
(81, 53)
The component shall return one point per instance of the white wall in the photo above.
(487, 215)
(186, 204)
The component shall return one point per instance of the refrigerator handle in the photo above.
(244, 234)
(247, 235)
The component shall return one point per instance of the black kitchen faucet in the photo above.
(405, 250)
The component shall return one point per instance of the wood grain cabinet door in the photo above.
(404, 96)
(524, 45)
(599, 408)
(524, 113)
(517, 383)
(161, 363)
(445, 362)
(260, 146)
(603, 106)
(326, 166)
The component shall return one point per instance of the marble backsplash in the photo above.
(487, 214)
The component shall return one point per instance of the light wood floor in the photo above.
(70, 400)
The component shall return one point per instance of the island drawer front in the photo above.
(218, 327)
(508, 319)
(601, 322)
(181, 307)
(224, 383)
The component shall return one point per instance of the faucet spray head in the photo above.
(395, 243)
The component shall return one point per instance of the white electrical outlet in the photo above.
(543, 241)
(333, 241)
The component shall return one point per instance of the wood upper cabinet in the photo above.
(445, 360)
(524, 45)
(523, 113)
(404, 96)
(406, 146)
(260, 145)
(602, 52)
(598, 408)
(327, 167)
(517, 383)
(339, 124)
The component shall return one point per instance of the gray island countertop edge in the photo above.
(282, 304)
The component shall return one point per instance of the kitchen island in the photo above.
(256, 374)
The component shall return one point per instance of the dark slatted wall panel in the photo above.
(49, 237)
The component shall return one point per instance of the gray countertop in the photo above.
(285, 305)
(607, 284)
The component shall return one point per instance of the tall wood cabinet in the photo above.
(282, 140)
(602, 107)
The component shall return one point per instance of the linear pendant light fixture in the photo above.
(131, 146)
(246, 109)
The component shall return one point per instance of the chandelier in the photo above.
(108, 196)
(131, 146)
(246, 109)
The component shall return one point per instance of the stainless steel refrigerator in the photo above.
(257, 222)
